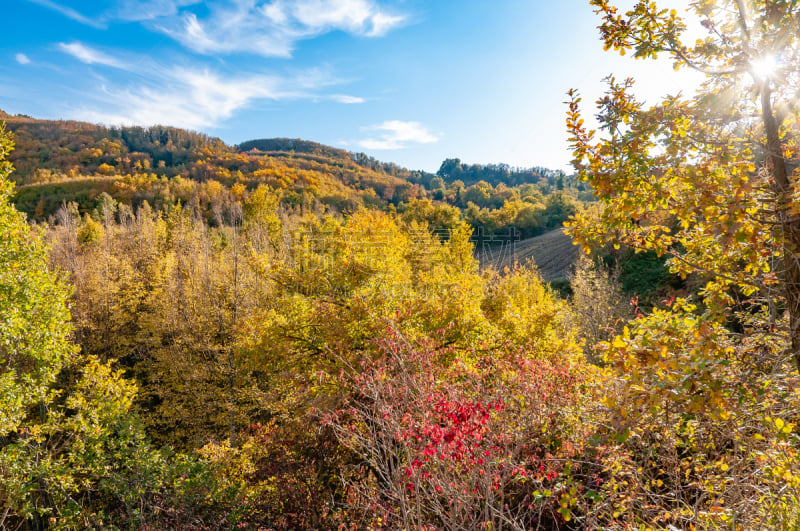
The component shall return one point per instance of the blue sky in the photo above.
(406, 81)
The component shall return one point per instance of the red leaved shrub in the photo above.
(464, 439)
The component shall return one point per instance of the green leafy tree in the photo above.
(34, 336)
(72, 455)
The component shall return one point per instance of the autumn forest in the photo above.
(280, 334)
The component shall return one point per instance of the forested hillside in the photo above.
(63, 162)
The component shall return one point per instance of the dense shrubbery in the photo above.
(239, 335)
(469, 440)
(311, 364)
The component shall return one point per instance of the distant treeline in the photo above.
(83, 148)
(453, 170)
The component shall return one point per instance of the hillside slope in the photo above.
(553, 253)
(63, 162)
(58, 161)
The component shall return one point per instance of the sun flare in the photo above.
(764, 67)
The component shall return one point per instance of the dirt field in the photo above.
(552, 252)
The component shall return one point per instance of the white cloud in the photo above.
(351, 15)
(70, 13)
(344, 98)
(396, 134)
(276, 13)
(266, 28)
(383, 24)
(190, 97)
(89, 55)
(193, 98)
(22, 59)
(187, 98)
(138, 10)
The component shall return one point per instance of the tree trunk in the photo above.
(790, 225)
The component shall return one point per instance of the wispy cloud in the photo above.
(396, 134)
(267, 28)
(344, 98)
(383, 24)
(191, 97)
(145, 91)
(263, 28)
(70, 13)
(138, 10)
(89, 55)
(22, 59)
(356, 16)
(194, 99)
(188, 98)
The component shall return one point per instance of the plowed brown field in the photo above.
(552, 252)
